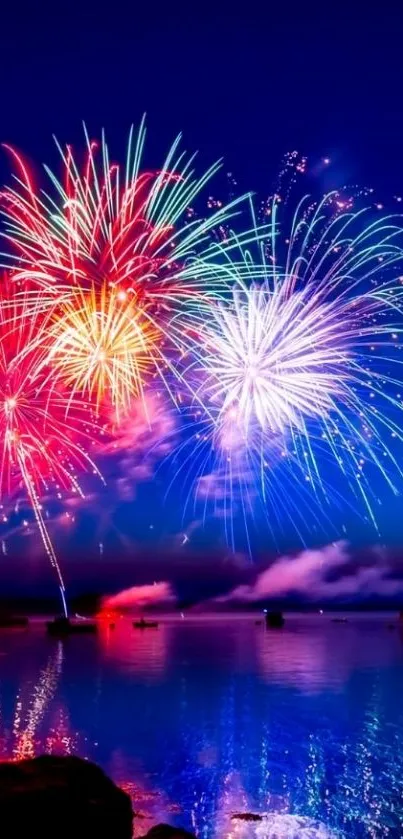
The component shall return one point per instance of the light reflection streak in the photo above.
(40, 723)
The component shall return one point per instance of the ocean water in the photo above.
(204, 719)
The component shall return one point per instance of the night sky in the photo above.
(245, 85)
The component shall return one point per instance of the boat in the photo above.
(13, 622)
(107, 620)
(339, 620)
(274, 620)
(61, 627)
(142, 624)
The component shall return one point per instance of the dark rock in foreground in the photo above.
(62, 798)
(165, 831)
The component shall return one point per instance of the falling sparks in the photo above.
(45, 435)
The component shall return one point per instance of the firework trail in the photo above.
(45, 433)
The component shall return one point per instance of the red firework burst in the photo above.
(45, 435)
(113, 226)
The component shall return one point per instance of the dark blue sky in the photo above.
(248, 85)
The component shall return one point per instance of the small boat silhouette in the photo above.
(143, 624)
(274, 620)
(61, 627)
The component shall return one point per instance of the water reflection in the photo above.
(315, 654)
(38, 722)
(200, 721)
(141, 653)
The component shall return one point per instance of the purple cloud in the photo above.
(328, 573)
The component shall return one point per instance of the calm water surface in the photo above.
(201, 720)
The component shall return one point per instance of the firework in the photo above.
(45, 434)
(272, 357)
(124, 244)
(101, 347)
(119, 227)
(302, 369)
(280, 346)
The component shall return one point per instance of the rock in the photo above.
(247, 817)
(62, 797)
(166, 831)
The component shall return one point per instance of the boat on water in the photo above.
(274, 620)
(106, 619)
(143, 624)
(61, 627)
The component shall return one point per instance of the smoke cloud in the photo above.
(142, 597)
(330, 573)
